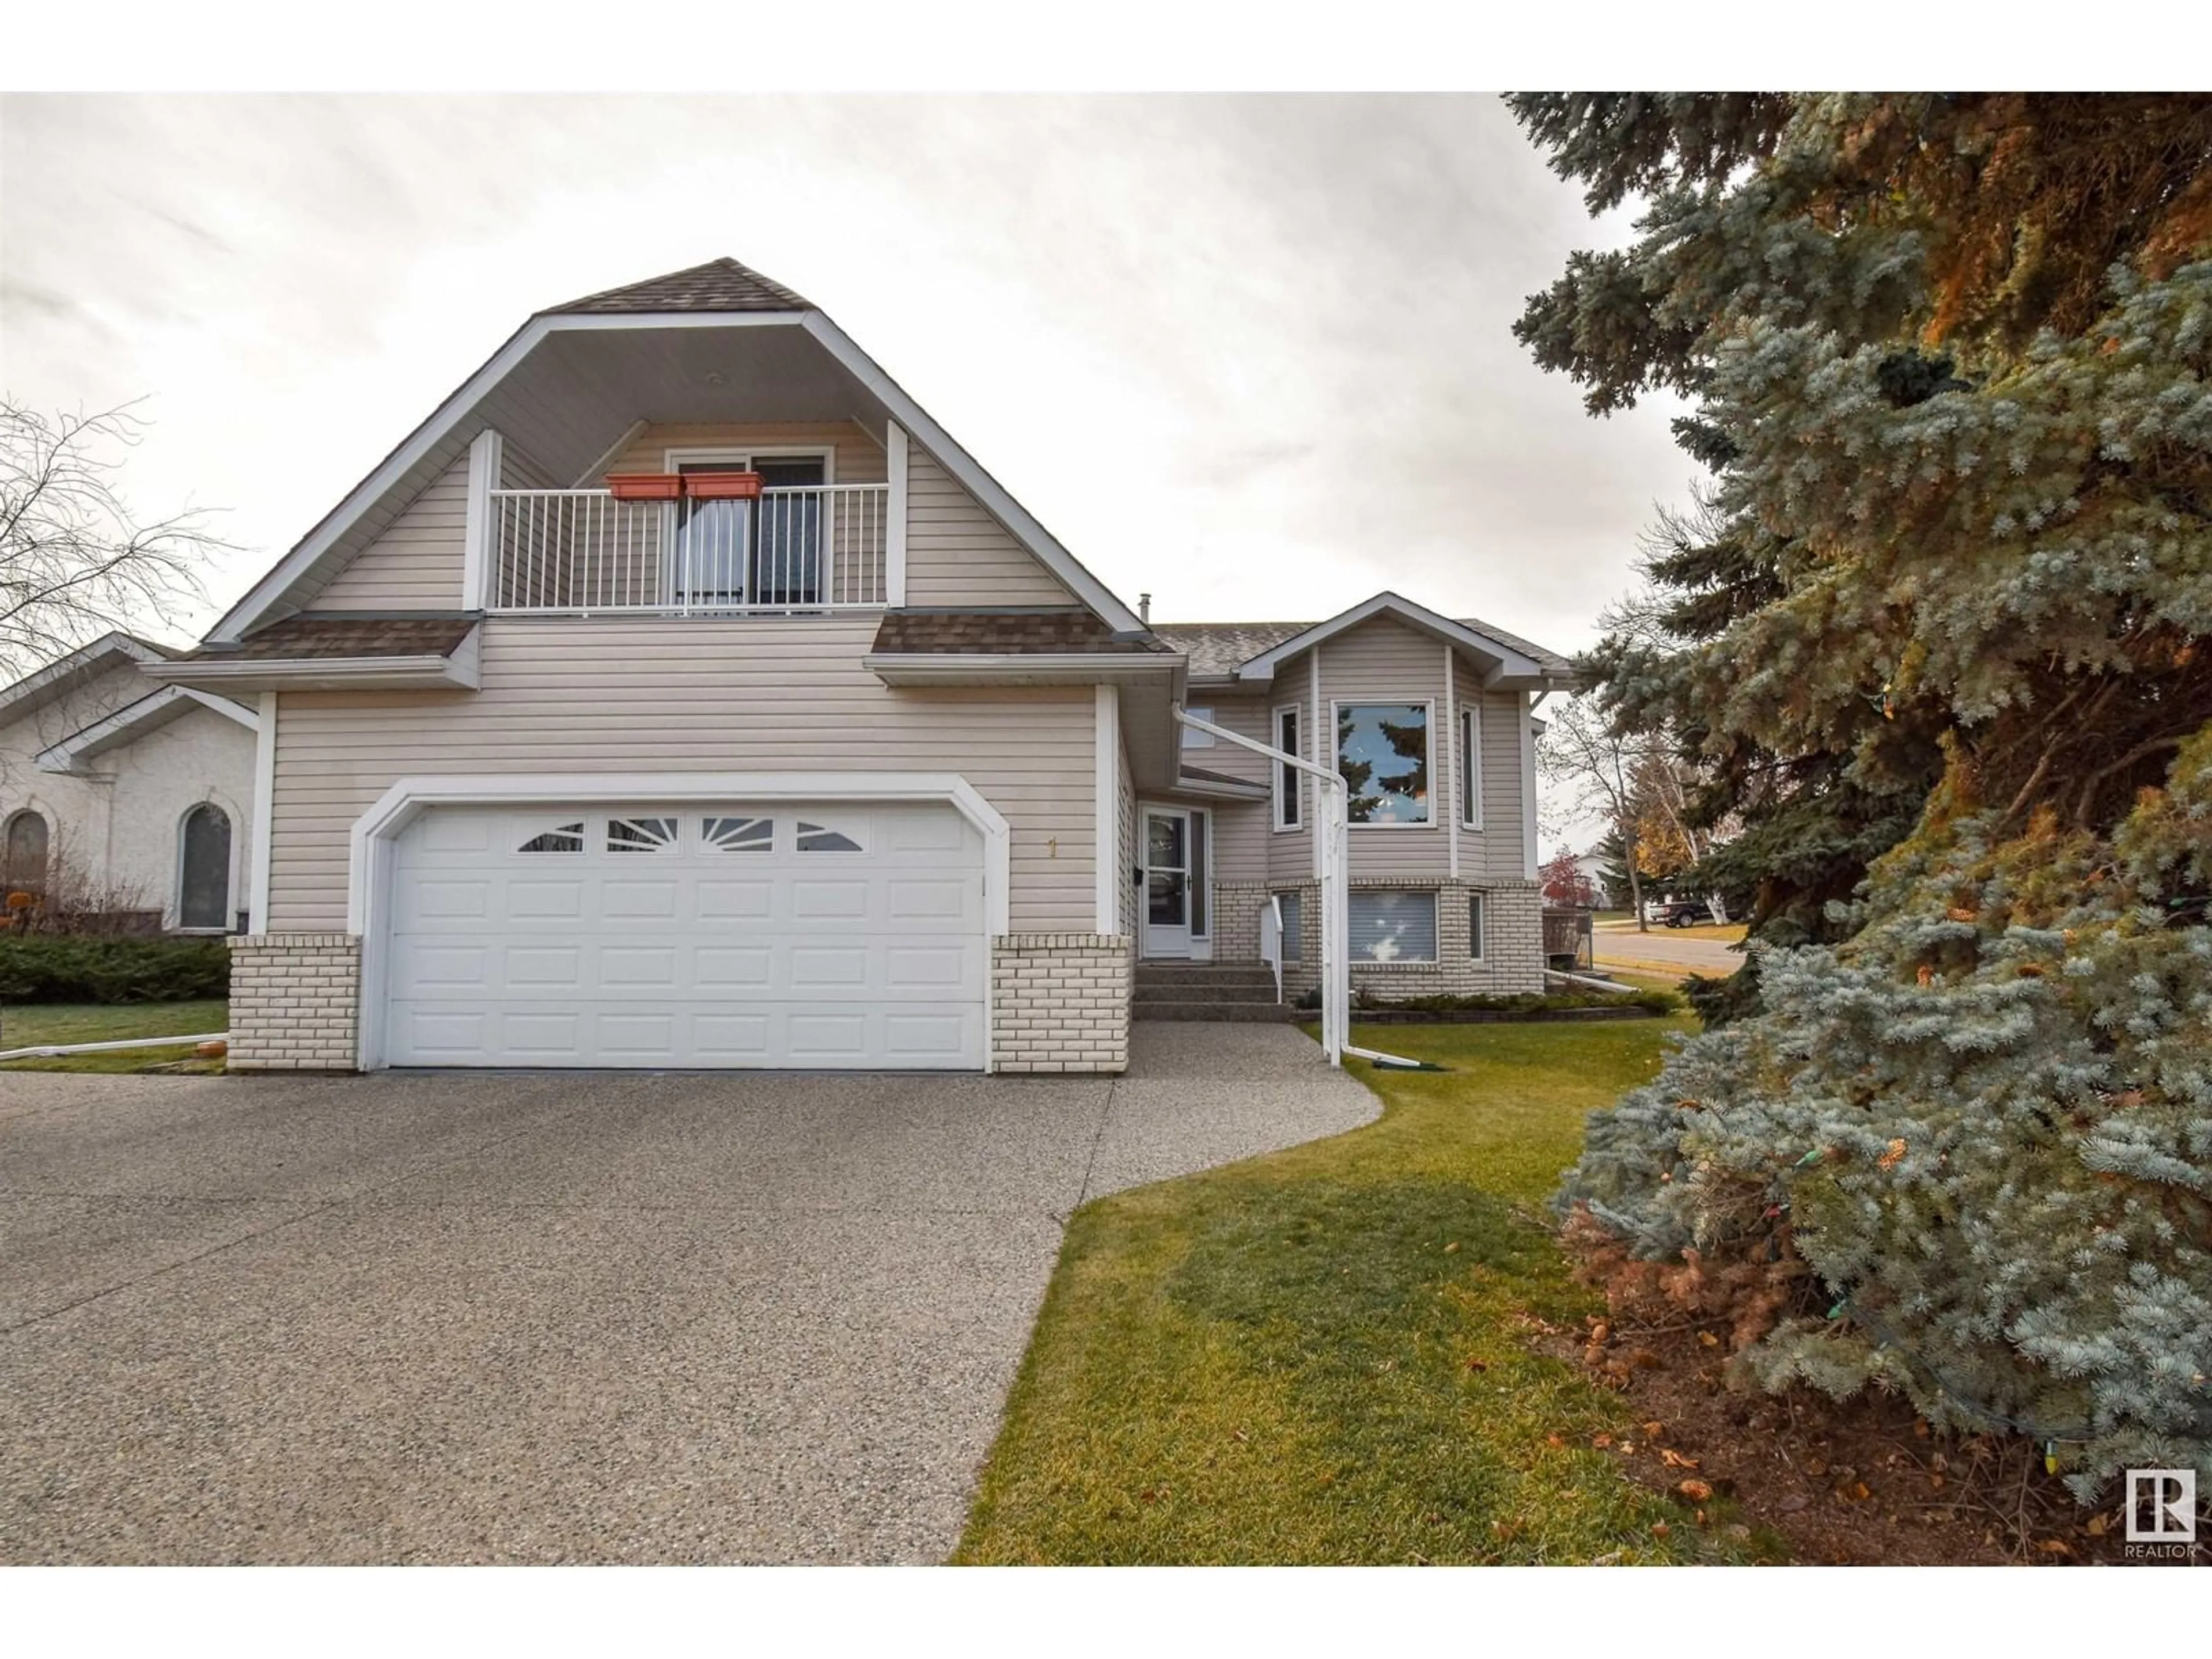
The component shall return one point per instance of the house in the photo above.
(680, 693)
(124, 802)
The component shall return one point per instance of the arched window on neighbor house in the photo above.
(203, 868)
(23, 855)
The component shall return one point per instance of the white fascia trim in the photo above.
(27, 690)
(1528, 788)
(131, 722)
(369, 844)
(266, 592)
(484, 467)
(1106, 801)
(979, 483)
(265, 811)
(368, 672)
(894, 468)
(1509, 661)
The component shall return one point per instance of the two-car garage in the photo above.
(765, 931)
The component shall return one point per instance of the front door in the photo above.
(1167, 882)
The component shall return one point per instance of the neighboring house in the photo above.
(863, 770)
(124, 802)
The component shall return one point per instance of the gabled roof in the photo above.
(717, 285)
(588, 343)
(65, 673)
(133, 721)
(1252, 651)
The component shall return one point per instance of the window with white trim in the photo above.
(1192, 737)
(1290, 786)
(1393, 924)
(1470, 767)
(1293, 940)
(1474, 925)
(1382, 756)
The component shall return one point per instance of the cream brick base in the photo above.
(1512, 949)
(1059, 1002)
(295, 1002)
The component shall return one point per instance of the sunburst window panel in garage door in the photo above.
(842, 934)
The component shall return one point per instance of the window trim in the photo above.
(229, 874)
(1436, 926)
(1428, 705)
(1293, 797)
(675, 457)
(1294, 896)
(1477, 926)
(8, 823)
(1470, 766)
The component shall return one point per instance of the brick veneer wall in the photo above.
(1513, 956)
(1059, 1002)
(295, 1002)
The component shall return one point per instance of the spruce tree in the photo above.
(1940, 645)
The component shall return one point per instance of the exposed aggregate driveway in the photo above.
(558, 1317)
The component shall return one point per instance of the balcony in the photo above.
(791, 552)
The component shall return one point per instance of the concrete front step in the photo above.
(1246, 1013)
(1150, 973)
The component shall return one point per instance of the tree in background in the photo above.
(1936, 632)
(75, 563)
(1564, 882)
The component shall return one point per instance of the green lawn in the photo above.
(28, 1024)
(1330, 1354)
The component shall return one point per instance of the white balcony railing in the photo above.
(581, 552)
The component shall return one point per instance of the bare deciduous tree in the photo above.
(1602, 771)
(74, 562)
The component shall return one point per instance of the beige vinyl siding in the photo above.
(1240, 828)
(653, 695)
(958, 554)
(519, 471)
(1494, 851)
(416, 564)
(1384, 660)
(859, 458)
(1291, 851)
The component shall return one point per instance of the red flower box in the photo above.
(645, 486)
(722, 486)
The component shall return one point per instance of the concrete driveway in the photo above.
(558, 1317)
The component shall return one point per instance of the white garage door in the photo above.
(831, 935)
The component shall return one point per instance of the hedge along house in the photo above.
(124, 804)
(679, 693)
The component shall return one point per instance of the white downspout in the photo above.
(1333, 837)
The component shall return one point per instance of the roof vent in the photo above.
(1144, 609)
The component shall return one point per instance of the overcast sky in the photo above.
(1250, 355)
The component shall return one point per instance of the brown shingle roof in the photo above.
(347, 636)
(1009, 631)
(717, 285)
(1218, 649)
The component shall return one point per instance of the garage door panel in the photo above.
(717, 938)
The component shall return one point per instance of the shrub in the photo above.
(80, 968)
(1527, 1002)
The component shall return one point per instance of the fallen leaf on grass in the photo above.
(1674, 1459)
(1707, 1339)
(1600, 1440)
(1697, 1491)
(1451, 1247)
(1477, 1363)
(1659, 1529)
(2097, 1526)
(1553, 1440)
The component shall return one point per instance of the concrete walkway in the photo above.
(551, 1317)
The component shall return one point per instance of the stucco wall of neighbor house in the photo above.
(565, 694)
(117, 828)
(199, 757)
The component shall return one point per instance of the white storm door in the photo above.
(1167, 881)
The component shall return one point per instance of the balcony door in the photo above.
(764, 552)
